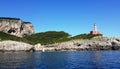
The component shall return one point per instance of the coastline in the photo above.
(95, 44)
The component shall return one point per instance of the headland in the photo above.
(17, 35)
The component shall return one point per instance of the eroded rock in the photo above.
(14, 46)
(16, 26)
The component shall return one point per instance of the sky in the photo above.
(72, 16)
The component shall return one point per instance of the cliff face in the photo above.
(15, 26)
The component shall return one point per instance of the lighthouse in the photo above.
(95, 31)
(95, 27)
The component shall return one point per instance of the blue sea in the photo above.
(61, 60)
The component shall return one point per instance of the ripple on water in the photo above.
(61, 60)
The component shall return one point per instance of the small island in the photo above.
(18, 35)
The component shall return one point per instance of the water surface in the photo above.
(61, 60)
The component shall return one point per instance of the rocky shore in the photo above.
(97, 43)
(13, 46)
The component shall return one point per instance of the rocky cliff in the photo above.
(16, 26)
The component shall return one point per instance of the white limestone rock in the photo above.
(16, 26)
(14, 46)
(38, 47)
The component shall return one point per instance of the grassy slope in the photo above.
(85, 36)
(4, 36)
(49, 37)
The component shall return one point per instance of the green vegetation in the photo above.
(49, 37)
(4, 36)
(27, 22)
(85, 36)
(10, 18)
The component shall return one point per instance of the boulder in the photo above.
(38, 47)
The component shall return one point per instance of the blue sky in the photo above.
(72, 16)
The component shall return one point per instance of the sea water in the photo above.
(60, 60)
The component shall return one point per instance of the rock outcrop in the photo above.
(14, 46)
(95, 44)
(74, 45)
(16, 26)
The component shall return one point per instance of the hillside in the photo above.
(52, 37)
(4, 36)
(49, 37)
(45, 38)
(85, 36)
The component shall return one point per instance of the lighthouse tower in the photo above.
(95, 27)
(95, 31)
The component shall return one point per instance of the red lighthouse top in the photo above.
(95, 31)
